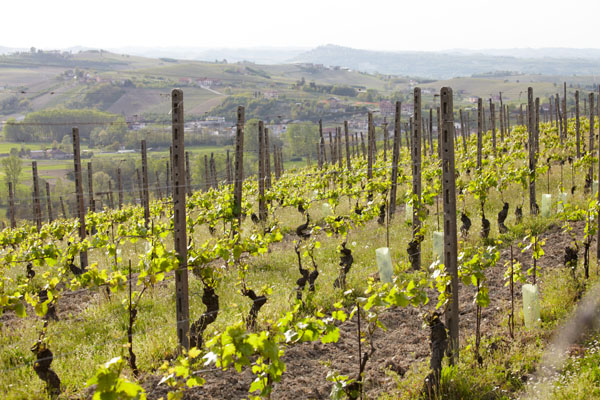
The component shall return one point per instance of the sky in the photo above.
(392, 25)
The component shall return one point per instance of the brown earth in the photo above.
(404, 344)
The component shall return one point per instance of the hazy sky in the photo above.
(373, 24)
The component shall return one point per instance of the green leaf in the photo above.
(331, 337)
(20, 310)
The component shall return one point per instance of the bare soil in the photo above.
(404, 344)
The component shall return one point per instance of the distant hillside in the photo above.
(444, 65)
(546, 52)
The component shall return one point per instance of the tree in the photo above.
(101, 180)
(12, 169)
(302, 138)
(251, 136)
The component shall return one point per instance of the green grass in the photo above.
(95, 333)
(6, 146)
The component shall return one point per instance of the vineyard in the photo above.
(396, 267)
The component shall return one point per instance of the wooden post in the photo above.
(120, 187)
(37, 209)
(395, 159)
(416, 170)
(11, 206)
(321, 146)
(439, 130)
(111, 201)
(564, 105)
(179, 220)
(140, 187)
(521, 119)
(213, 171)
(462, 130)
(146, 195)
(262, 207)
(362, 145)
(385, 139)
(188, 173)
(168, 178)
(79, 190)
(229, 181)
(503, 126)
(483, 126)
(592, 122)
(281, 164)
(559, 116)
(577, 124)
(276, 162)
(62, 207)
(507, 116)
(531, 127)
(551, 111)
(331, 149)
(92, 205)
(431, 131)
(348, 155)
(267, 161)
(239, 165)
(206, 173)
(49, 203)
(426, 133)
(355, 145)
(493, 118)
(537, 127)
(319, 160)
(479, 131)
(450, 231)
(338, 140)
(598, 198)
(409, 136)
(370, 134)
